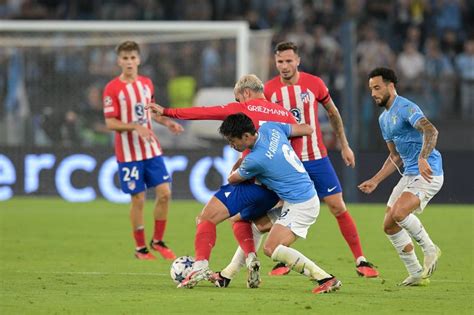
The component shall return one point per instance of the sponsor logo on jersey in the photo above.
(296, 112)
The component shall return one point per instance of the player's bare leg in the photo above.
(348, 230)
(160, 214)
(137, 220)
(401, 214)
(277, 247)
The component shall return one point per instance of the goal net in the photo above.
(53, 72)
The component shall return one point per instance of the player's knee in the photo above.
(138, 201)
(389, 229)
(164, 197)
(268, 249)
(337, 210)
(398, 214)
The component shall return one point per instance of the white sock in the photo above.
(298, 262)
(200, 264)
(400, 240)
(416, 230)
(238, 260)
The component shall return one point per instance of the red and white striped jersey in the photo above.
(302, 101)
(126, 102)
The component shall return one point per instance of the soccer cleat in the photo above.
(144, 254)
(412, 281)
(367, 270)
(327, 285)
(161, 248)
(195, 277)
(279, 269)
(430, 263)
(219, 280)
(253, 275)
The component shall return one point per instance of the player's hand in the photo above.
(144, 132)
(348, 156)
(155, 109)
(175, 128)
(425, 170)
(368, 186)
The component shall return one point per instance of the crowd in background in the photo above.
(430, 43)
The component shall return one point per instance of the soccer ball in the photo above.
(181, 267)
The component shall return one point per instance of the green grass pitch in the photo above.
(62, 258)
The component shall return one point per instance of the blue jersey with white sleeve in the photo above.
(397, 125)
(274, 163)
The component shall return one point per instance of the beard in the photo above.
(384, 100)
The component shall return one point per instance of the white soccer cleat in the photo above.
(430, 262)
(253, 267)
(195, 277)
(414, 281)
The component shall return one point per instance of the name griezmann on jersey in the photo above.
(266, 110)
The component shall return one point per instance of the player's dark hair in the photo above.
(127, 46)
(282, 46)
(234, 126)
(388, 75)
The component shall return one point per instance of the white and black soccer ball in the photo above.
(181, 267)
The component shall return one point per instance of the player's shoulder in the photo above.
(145, 79)
(404, 104)
(113, 84)
(307, 77)
(273, 82)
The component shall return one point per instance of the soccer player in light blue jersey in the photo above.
(273, 162)
(411, 140)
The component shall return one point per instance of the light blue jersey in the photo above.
(397, 124)
(274, 163)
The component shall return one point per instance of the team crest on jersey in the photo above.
(107, 101)
(296, 112)
(394, 119)
(305, 97)
(131, 185)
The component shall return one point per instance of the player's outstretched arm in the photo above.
(392, 163)
(301, 130)
(337, 125)
(430, 137)
(156, 109)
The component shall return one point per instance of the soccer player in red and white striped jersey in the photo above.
(300, 93)
(137, 148)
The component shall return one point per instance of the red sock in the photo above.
(139, 236)
(160, 226)
(349, 231)
(205, 240)
(244, 236)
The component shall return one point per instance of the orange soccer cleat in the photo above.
(144, 254)
(161, 248)
(279, 269)
(367, 270)
(327, 285)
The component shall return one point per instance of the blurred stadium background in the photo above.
(56, 56)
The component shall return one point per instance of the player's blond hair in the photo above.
(249, 81)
